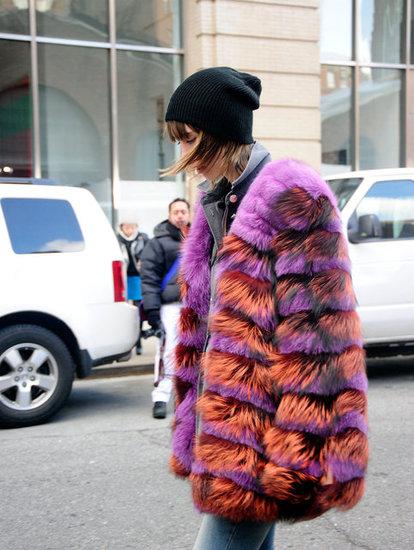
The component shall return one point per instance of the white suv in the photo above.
(63, 306)
(378, 216)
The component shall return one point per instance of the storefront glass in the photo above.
(336, 116)
(380, 126)
(73, 19)
(15, 110)
(148, 22)
(74, 118)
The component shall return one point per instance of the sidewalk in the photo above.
(138, 364)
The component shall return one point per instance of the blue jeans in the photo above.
(217, 533)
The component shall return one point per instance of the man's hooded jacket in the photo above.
(159, 255)
(280, 389)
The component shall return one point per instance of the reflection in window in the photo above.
(336, 117)
(390, 206)
(42, 225)
(15, 110)
(149, 22)
(380, 120)
(145, 84)
(344, 189)
(14, 17)
(74, 118)
(336, 30)
(382, 31)
(73, 19)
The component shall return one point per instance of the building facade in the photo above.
(84, 85)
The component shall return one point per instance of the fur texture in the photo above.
(284, 408)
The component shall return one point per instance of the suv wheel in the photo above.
(36, 375)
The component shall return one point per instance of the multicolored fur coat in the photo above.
(284, 412)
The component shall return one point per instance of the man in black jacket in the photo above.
(161, 293)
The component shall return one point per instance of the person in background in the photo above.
(161, 294)
(132, 244)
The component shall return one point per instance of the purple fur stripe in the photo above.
(195, 264)
(241, 394)
(248, 439)
(313, 468)
(302, 301)
(345, 470)
(194, 339)
(328, 385)
(349, 420)
(240, 478)
(223, 343)
(184, 433)
(311, 343)
(298, 264)
(187, 374)
(255, 267)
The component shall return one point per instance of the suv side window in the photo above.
(42, 225)
(387, 211)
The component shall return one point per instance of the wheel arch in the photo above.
(53, 324)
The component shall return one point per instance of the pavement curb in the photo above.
(111, 371)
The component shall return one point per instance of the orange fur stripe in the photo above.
(351, 401)
(302, 370)
(216, 453)
(228, 323)
(351, 445)
(233, 370)
(291, 446)
(234, 416)
(251, 296)
(285, 484)
(304, 409)
(227, 499)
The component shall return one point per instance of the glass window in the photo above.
(380, 118)
(410, 119)
(14, 16)
(42, 225)
(74, 19)
(381, 37)
(412, 32)
(344, 189)
(387, 211)
(148, 22)
(74, 118)
(145, 84)
(336, 85)
(336, 30)
(15, 110)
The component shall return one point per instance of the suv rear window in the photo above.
(344, 189)
(42, 226)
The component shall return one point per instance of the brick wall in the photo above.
(277, 40)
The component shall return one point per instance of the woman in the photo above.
(270, 420)
(132, 244)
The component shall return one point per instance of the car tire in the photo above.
(36, 375)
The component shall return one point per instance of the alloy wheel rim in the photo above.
(29, 376)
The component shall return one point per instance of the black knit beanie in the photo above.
(220, 101)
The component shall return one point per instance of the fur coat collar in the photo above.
(283, 411)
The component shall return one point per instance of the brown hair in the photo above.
(229, 157)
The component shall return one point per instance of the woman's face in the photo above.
(187, 144)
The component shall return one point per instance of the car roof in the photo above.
(374, 173)
(44, 191)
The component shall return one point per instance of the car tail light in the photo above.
(119, 280)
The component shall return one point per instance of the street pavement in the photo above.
(96, 477)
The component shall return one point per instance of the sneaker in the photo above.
(159, 409)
